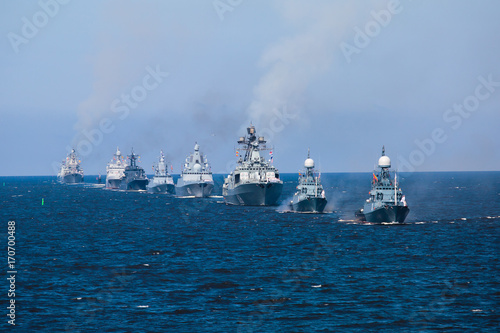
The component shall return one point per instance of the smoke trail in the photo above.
(296, 62)
(126, 44)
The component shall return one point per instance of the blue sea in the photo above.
(93, 260)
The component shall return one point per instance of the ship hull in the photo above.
(162, 188)
(386, 214)
(198, 190)
(72, 178)
(113, 183)
(254, 194)
(134, 185)
(312, 205)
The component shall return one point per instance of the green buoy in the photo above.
(42, 201)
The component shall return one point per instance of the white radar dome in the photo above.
(197, 167)
(384, 162)
(309, 163)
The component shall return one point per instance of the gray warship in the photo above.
(196, 177)
(115, 171)
(310, 196)
(71, 171)
(387, 202)
(254, 181)
(162, 181)
(134, 177)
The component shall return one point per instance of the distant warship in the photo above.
(70, 172)
(196, 177)
(386, 203)
(254, 181)
(162, 181)
(310, 196)
(115, 171)
(135, 178)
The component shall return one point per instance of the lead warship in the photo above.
(387, 202)
(135, 178)
(162, 181)
(310, 196)
(71, 171)
(254, 181)
(196, 177)
(115, 171)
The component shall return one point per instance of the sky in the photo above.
(342, 78)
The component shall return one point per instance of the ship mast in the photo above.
(395, 190)
(251, 144)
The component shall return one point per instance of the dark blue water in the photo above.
(91, 260)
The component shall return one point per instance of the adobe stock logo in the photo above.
(122, 107)
(362, 39)
(223, 6)
(30, 28)
(454, 117)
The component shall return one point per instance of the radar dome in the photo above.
(384, 162)
(197, 167)
(309, 163)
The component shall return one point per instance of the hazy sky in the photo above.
(340, 77)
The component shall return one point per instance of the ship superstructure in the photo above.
(387, 202)
(115, 170)
(254, 181)
(196, 178)
(71, 171)
(162, 181)
(310, 195)
(135, 178)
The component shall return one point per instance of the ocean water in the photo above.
(92, 260)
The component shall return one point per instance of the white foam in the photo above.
(143, 306)
(317, 286)
(477, 310)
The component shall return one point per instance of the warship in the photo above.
(162, 181)
(196, 177)
(70, 172)
(254, 181)
(310, 196)
(387, 202)
(115, 171)
(135, 178)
